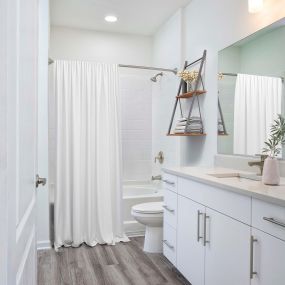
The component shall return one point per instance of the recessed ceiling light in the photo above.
(111, 19)
(255, 6)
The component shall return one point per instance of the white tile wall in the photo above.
(136, 102)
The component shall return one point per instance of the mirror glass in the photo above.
(251, 90)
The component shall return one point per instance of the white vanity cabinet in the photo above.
(207, 239)
(190, 249)
(268, 248)
(227, 251)
(268, 264)
(218, 237)
(170, 217)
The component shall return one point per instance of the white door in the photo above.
(20, 38)
(227, 259)
(190, 251)
(268, 259)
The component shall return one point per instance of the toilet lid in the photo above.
(149, 208)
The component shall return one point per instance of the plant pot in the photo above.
(271, 173)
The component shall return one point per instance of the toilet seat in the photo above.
(148, 208)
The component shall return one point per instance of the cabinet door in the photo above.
(268, 259)
(190, 251)
(227, 258)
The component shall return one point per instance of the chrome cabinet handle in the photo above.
(199, 213)
(168, 182)
(273, 221)
(168, 209)
(252, 272)
(205, 229)
(168, 244)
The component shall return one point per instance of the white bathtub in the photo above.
(137, 192)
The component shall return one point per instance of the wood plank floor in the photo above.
(122, 264)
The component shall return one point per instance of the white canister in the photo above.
(271, 173)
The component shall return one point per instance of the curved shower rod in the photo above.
(149, 68)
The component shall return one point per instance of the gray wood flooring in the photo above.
(122, 264)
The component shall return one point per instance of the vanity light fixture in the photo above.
(111, 19)
(255, 6)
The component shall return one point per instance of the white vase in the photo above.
(271, 173)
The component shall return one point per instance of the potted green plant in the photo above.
(271, 173)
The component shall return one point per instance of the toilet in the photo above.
(151, 215)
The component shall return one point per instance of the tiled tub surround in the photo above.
(136, 101)
(218, 223)
(137, 192)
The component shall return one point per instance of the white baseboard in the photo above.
(43, 244)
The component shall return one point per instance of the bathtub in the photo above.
(137, 192)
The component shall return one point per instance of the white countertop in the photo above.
(255, 189)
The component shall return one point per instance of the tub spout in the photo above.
(158, 177)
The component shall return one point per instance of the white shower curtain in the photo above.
(88, 155)
(257, 103)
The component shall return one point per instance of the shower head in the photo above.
(154, 78)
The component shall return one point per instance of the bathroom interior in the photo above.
(159, 143)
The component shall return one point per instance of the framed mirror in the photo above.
(251, 90)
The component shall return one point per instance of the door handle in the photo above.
(205, 229)
(168, 182)
(252, 272)
(40, 181)
(273, 221)
(199, 213)
(168, 244)
(168, 209)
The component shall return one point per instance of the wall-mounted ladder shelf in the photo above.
(193, 95)
(223, 131)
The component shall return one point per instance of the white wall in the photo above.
(167, 50)
(213, 25)
(79, 44)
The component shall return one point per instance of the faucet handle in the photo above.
(159, 157)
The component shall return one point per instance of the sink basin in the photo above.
(225, 175)
(254, 177)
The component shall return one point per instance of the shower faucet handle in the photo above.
(159, 157)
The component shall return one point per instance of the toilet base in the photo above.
(153, 239)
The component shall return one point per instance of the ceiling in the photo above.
(134, 16)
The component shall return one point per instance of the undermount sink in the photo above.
(254, 177)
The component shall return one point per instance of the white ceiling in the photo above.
(134, 16)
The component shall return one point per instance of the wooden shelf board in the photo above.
(187, 135)
(190, 94)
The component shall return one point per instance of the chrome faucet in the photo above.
(260, 163)
(158, 177)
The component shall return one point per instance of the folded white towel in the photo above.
(182, 120)
(180, 128)
(181, 123)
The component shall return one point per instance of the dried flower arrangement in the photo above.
(189, 77)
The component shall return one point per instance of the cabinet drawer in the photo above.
(269, 218)
(169, 243)
(169, 182)
(170, 208)
(229, 203)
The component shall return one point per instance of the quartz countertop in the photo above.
(254, 189)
